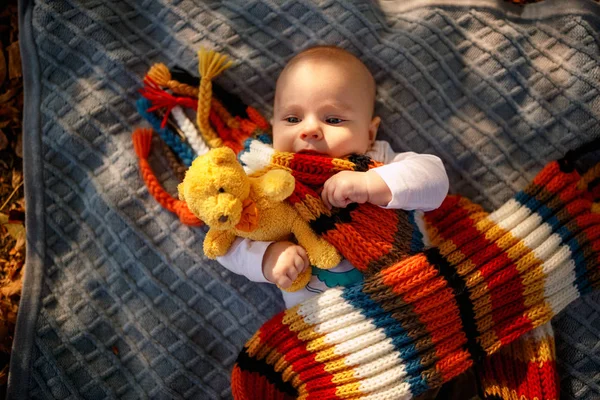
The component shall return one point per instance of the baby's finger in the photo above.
(299, 264)
(339, 199)
(325, 196)
(302, 253)
(284, 282)
(292, 274)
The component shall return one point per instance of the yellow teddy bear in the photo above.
(218, 191)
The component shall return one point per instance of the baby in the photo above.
(324, 103)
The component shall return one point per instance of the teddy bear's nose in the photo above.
(223, 218)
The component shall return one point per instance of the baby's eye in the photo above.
(293, 120)
(334, 121)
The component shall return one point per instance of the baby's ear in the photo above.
(373, 126)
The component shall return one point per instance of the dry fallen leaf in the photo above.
(7, 96)
(14, 61)
(12, 288)
(19, 145)
(2, 65)
(16, 231)
(17, 178)
(4, 375)
(3, 140)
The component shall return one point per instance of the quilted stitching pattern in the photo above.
(130, 307)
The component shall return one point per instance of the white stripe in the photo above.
(563, 299)
(370, 353)
(326, 313)
(189, 130)
(257, 158)
(380, 381)
(379, 365)
(510, 214)
(568, 281)
(338, 323)
(557, 260)
(359, 343)
(397, 391)
(526, 226)
(348, 332)
(564, 276)
(327, 299)
(544, 247)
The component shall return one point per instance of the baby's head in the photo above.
(324, 102)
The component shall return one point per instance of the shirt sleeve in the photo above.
(245, 258)
(417, 181)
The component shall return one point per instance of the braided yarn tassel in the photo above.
(182, 149)
(523, 370)
(161, 76)
(210, 65)
(142, 140)
(424, 320)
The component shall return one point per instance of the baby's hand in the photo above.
(283, 262)
(347, 187)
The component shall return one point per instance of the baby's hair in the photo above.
(331, 53)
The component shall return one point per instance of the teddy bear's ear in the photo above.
(222, 155)
(180, 191)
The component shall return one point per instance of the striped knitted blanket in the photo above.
(418, 323)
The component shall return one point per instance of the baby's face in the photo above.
(324, 106)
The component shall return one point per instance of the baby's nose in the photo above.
(315, 134)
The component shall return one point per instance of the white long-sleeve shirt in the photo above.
(417, 182)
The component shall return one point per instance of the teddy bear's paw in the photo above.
(325, 256)
(217, 243)
(278, 184)
(301, 281)
(212, 249)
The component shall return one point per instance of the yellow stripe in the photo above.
(539, 314)
(326, 355)
(349, 390)
(317, 344)
(254, 344)
(493, 388)
(291, 315)
(446, 248)
(465, 267)
(534, 293)
(474, 279)
(342, 165)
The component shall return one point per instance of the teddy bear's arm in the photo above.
(321, 253)
(276, 185)
(217, 243)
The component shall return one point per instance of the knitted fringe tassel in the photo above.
(142, 141)
(210, 65)
(523, 370)
(421, 322)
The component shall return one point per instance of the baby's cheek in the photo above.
(285, 144)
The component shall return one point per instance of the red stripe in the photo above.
(303, 362)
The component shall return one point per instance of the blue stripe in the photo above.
(402, 343)
(416, 242)
(549, 217)
(181, 148)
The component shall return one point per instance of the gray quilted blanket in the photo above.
(120, 302)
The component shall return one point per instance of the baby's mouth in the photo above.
(310, 152)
